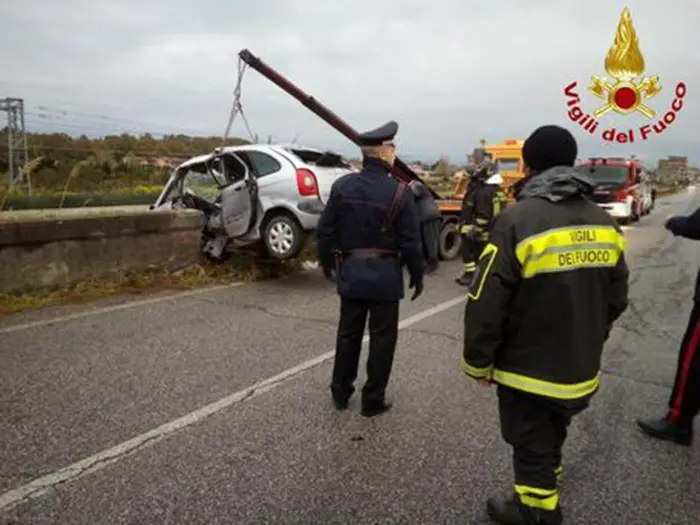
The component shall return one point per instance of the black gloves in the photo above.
(418, 289)
(670, 224)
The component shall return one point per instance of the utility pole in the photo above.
(18, 155)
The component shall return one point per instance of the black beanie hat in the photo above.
(549, 146)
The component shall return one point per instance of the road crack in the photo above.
(439, 334)
(611, 373)
(269, 311)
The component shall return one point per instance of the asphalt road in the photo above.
(142, 412)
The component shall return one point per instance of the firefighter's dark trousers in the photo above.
(684, 404)
(471, 250)
(383, 332)
(536, 428)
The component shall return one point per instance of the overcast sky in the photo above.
(450, 72)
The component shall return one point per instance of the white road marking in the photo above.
(114, 308)
(40, 486)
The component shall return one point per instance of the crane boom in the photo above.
(400, 170)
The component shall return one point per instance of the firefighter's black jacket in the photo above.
(688, 227)
(547, 289)
(489, 201)
(466, 217)
(352, 221)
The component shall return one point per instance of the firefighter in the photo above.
(368, 231)
(540, 346)
(470, 246)
(430, 221)
(684, 404)
(488, 204)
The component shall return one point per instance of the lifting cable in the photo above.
(237, 107)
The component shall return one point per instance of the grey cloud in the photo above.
(450, 72)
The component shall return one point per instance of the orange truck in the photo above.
(507, 156)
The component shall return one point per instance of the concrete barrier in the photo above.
(66, 246)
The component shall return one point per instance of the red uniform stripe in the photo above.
(690, 352)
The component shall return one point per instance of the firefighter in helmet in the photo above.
(482, 203)
(540, 346)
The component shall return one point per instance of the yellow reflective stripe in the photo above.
(481, 222)
(558, 472)
(546, 388)
(570, 248)
(469, 267)
(466, 228)
(496, 204)
(550, 503)
(539, 244)
(474, 371)
(489, 253)
(526, 489)
(537, 498)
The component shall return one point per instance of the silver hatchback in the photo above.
(258, 193)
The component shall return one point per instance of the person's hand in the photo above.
(669, 224)
(418, 289)
(484, 382)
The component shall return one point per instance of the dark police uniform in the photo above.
(431, 220)
(684, 403)
(368, 231)
(547, 289)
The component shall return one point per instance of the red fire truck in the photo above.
(623, 187)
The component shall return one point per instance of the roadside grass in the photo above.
(242, 267)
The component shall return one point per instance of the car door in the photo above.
(238, 196)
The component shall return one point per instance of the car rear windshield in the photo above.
(326, 159)
(606, 174)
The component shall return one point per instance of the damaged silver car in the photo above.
(258, 194)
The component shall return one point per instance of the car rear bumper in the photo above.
(308, 213)
(616, 209)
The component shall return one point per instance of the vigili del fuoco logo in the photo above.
(627, 93)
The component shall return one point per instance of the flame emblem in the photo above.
(625, 63)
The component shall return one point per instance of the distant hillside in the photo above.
(111, 161)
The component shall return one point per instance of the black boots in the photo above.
(509, 511)
(340, 404)
(369, 408)
(374, 408)
(664, 429)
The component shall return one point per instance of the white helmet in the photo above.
(496, 178)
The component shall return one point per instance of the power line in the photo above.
(100, 149)
(54, 113)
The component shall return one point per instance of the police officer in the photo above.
(431, 220)
(541, 346)
(684, 404)
(471, 247)
(368, 231)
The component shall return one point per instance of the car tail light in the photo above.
(307, 183)
(621, 195)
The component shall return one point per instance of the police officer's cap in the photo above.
(382, 135)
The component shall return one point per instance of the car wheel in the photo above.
(283, 237)
(450, 242)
